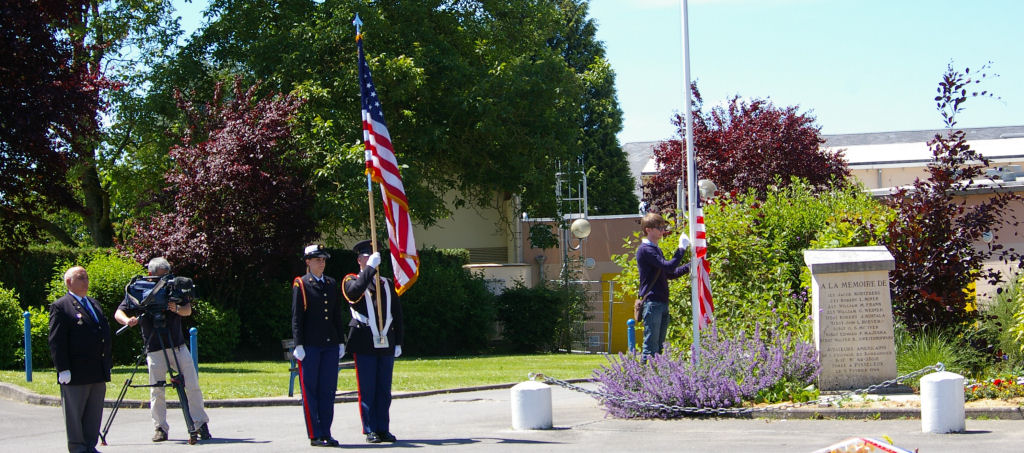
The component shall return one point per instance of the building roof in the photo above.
(910, 148)
(879, 138)
(640, 155)
(879, 149)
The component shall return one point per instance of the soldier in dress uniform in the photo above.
(375, 340)
(318, 326)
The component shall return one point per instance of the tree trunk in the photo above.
(96, 214)
(97, 209)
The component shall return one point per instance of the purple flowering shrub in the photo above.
(730, 371)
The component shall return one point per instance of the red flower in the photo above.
(997, 382)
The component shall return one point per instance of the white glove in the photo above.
(64, 377)
(374, 260)
(341, 350)
(398, 350)
(299, 353)
(684, 241)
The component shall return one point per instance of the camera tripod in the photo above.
(177, 380)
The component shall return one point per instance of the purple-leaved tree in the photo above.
(238, 209)
(935, 231)
(747, 144)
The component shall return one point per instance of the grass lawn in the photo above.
(263, 379)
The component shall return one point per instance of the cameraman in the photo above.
(176, 353)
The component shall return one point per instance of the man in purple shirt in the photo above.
(655, 272)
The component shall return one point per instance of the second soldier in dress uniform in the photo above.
(318, 327)
(374, 341)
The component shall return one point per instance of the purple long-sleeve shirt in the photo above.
(654, 285)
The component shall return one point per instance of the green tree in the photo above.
(102, 43)
(609, 183)
(478, 104)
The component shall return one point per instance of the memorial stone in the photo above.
(852, 314)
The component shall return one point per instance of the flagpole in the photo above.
(691, 182)
(369, 195)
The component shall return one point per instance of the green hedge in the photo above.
(29, 271)
(40, 339)
(217, 330)
(265, 321)
(109, 272)
(755, 249)
(530, 317)
(449, 309)
(12, 328)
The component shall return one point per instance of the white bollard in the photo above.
(942, 403)
(531, 405)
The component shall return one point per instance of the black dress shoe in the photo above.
(204, 432)
(330, 442)
(317, 443)
(373, 438)
(387, 437)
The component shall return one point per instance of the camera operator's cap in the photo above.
(363, 247)
(315, 251)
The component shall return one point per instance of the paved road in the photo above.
(481, 421)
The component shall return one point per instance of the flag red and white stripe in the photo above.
(382, 167)
(700, 247)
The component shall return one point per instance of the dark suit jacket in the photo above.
(361, 337)
(318, 319)
(78, 343)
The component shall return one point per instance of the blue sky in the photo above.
(856, 65)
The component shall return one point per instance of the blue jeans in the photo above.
(655, 324)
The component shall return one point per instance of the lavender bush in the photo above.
(730, 371)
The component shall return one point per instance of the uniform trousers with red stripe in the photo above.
(373, 373)
(319, 381)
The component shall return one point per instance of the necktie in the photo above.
(88, 306)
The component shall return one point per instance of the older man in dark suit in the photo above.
(80, 348)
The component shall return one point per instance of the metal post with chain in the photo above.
(680, 410)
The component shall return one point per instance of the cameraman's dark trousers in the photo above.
(158, 372)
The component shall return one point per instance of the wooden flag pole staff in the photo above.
(373, 221)
(373, 242)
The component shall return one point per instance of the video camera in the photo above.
(152, 293)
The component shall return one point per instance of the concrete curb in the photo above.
(21, 394)
(885, 413)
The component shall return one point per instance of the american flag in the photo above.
(382, 167)
(700, 247)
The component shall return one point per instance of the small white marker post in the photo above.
(531, 406)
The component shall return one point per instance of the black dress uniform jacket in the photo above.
(360, 337)
(319, 320)
(79, 343)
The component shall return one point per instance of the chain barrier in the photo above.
(673, 409)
